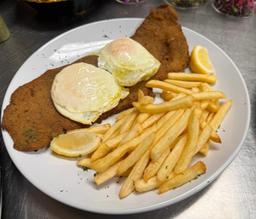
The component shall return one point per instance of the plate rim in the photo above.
(159, 205)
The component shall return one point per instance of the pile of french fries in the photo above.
(152, 145)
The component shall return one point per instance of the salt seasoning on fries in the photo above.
(220, 115)
(172, 159)
(192, 140)
(136, 173)
(152, 145)
(153, 167)
(100, 178)
(170, 136)
(145, 186)
(135, 155)
(85, 162)
(184, 177)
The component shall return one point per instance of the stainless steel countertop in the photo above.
(232, 195)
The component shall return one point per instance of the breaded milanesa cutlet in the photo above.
(162, 36)
(31, 118)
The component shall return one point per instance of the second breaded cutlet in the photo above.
(31, 118)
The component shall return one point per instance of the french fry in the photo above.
(208, 95)
(145, 133)
(204, 104)
(99, 129)
(220, 115)
(170, 136)
(146, 100)
(128, 123)
(124, 113)
(203, 124)
(142, 117)
(166, 95)
(101, 151)
(166, 122)
(142, 99)
(128, 186)
(102, 164)
(103, 177)
(184, 84)
(85, 162)
(136, 129)
(183, 102)
(135, 155)
(184, 177)
(203, 137)
(210, 79)
(204, 150)
(203, 119)
(114, 128)
(144, 186)
(178, 96)
(170, 176)
(127, 172)
(114, 142)
(195, 90)
(100, 136)
(212, 107)
(215, 137)
(192, 140)
(209, 117)
(140, 95)
(151, 120)
(167, 86)
(164, 118)
(153, 167)
(205, 87)
(111, 158)
(152, 145)
(134, 132)
(171, 159)
(217, 102)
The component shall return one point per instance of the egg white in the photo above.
(128, 61)
(83, 92)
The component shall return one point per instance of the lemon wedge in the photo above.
(200, 61)
(75, 144)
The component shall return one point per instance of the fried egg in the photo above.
(82, 92)
(128, 61)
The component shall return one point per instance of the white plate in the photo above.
(63, 180)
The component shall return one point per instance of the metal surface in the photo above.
(1, 191)
(232, 195)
